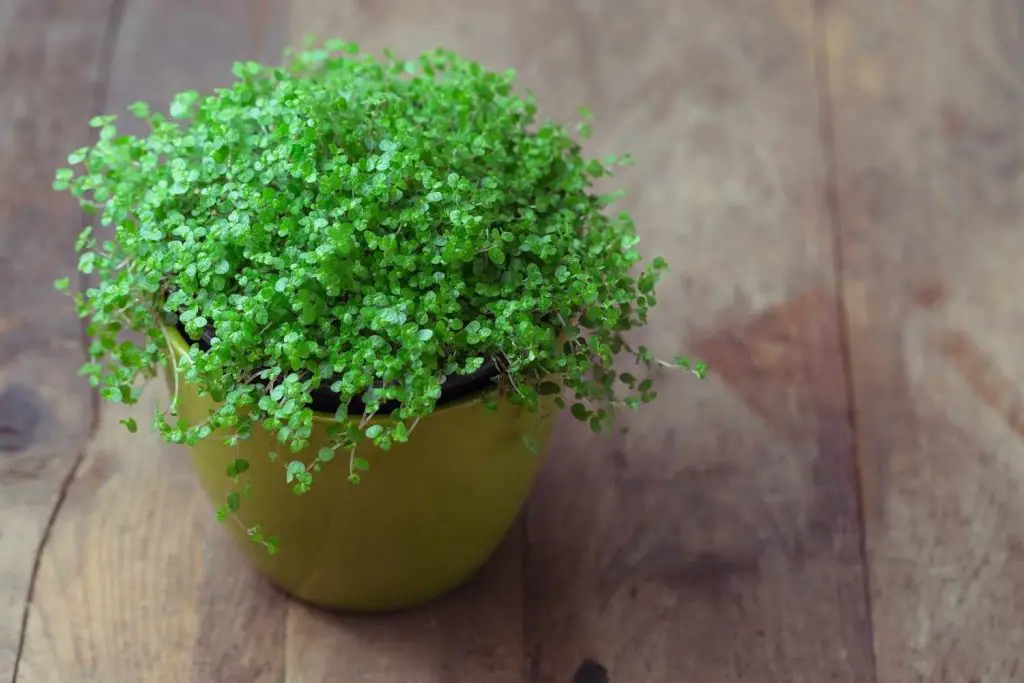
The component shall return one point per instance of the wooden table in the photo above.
(840, 187)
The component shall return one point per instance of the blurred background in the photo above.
(838, 187)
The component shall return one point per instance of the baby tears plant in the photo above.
(368, 226)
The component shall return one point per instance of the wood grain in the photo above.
(929, 150)
(51, 57)
(137, 584)
(717, 541)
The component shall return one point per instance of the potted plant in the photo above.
(371, 284)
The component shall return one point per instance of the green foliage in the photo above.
(375, 226)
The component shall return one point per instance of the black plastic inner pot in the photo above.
(326, 401)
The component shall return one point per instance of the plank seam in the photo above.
(827, 137)
(99, 99)
(531, 655)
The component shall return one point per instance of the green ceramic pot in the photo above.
(424, 518)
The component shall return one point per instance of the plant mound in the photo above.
(369, 226)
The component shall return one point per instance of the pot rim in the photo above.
(181, 344)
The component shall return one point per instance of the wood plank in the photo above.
(51, 60)
(137, 583)
(929, 146)
(719, 542)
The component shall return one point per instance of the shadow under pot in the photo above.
(424, 518)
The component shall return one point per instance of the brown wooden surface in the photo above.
(52, 57)
(929, 139)
(797, 161)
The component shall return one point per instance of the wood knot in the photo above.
(20, 412)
